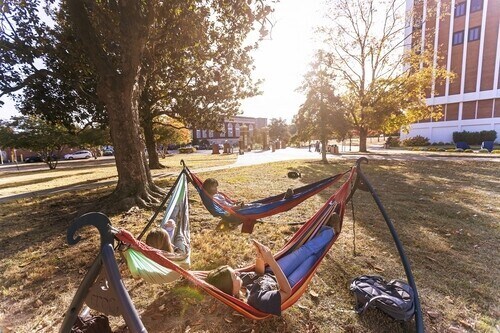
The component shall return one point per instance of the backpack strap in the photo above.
(376, 298)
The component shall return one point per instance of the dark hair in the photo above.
(221, 279)
(210, 182)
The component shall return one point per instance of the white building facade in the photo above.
(464, 36)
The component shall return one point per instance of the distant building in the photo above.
(231, 130)
(466, 34)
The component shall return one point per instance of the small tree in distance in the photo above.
(321, 116)
(278, 130)
(37, 135)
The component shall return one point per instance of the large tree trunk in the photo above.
(363, 134)
(135, 185)
(154, 160)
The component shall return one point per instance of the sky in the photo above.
(283, 60)
(280, 61)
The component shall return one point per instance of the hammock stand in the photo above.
(117, 293)
(255, 210)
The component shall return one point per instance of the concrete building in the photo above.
(464, 35)
(231, 130)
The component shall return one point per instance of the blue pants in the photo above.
(296, 264)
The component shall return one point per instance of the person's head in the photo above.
(225, 279)
(210, 185)
(159, 239)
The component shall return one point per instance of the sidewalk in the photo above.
(261, 157)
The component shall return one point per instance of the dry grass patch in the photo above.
(74, 173)
(445, 212)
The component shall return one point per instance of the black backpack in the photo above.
(395, 298)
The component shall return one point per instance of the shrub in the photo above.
(468, 151)
(474, 138)
(392, 142)
(496, 151)
(459, 150)
(416, 141)
(451, 150)
(483, 151)
(441, 149)
(187, 150)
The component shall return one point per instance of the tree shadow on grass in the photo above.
(444, 215)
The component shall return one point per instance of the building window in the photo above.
(476, 5)
(458, 37)
(237, 130)
(229, 130)
(474, 33)
(198, 134)
(460, 9)
(210, 134)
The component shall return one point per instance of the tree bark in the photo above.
(363, 134)
(135, 185)
(154, 160)
(324, 143)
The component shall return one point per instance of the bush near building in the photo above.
(474, 138)
(416, 141)
(393, 142)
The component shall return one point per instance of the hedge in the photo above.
(474, 138)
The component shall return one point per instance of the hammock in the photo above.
(178, 210)
(251, 212)
(115, 294)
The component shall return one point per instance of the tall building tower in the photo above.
(464, 36)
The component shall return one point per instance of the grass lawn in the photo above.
(446, 213)
(75, 173)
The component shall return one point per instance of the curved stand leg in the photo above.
(106, 258)
(365, 184)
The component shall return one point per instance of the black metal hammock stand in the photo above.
(116, 299)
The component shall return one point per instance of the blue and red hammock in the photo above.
(255, 210)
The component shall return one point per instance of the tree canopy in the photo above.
(193, 51)
(278, 130)
(382, 86)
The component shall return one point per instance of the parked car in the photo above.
(81, 154)
(33, 159)
(108, 152)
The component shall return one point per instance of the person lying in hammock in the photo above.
(266, 289)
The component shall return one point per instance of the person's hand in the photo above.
(262, 250)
